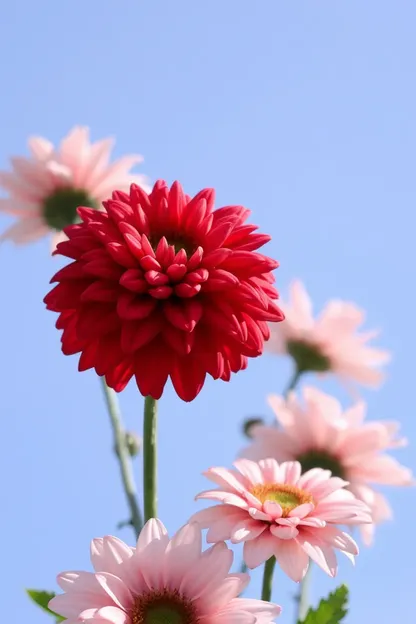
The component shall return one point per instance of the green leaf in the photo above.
(42, 598)
(331, 610)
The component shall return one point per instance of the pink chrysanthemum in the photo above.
(278, 512)
(46, 188)
(330, 342)
(161, 286)
(161, 581)
(320, 434)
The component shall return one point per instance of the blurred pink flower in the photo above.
(46, 188)
(320, 434)
(330, 342)
(276, 511)
(161, 580)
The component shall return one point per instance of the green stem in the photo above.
(293, 381)
(123, 456)
(150, 458)
(303, 596)
(266, 592)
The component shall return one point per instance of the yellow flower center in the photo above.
(163, 607)
(287, 496)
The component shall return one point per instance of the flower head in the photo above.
(278, 512)
(161, 581)
(162, 285)
(320, 434)
(329, 343)
(46, 189)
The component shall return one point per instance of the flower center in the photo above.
(176, 241)
(321, 459)
(287, 496)
(60, 208)
(308, 357)
(163, 607)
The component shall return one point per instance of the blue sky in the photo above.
(302, 111)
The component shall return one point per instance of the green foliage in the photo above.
(331, 610)
(42, 598)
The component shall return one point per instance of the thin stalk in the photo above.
(123, 456)
(150, 458)
(266, 592)
(293, 381)
(303, 596)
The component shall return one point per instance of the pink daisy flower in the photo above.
(320, 434)
(46, 188)
(160, 581)
(278, 512)
(330, 342)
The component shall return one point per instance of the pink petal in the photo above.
(19, 208)
(223, 593)
(26, 230)
(205, 517)
(384, 470)
(302, 510)
(210, 571)
(229, 480)
(108, 553)
(110, 178)
(312, 478)
(250, 470)
(291, 558)
(71, 605)
(284, 532)
(74, 150)
(321, 490)
(291, 472)
(182, 552)
(272, 509)
(271, 470)
(41, 148)
(322, 554)
(259, 550)
(151, 547)
(33, 175)
(19, 189)
(336, 538)
(228, 497)
(264, 611)
(97, 162)
(246, 530)
(317, 523)
(80, 582)
(259, 515)
(113, 615)
(290, 522)
(233, 617)
(116, 589)
(301, 302)
(221, 530)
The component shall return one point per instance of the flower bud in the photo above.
(249, 423)
(133, 443)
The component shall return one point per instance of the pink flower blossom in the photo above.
(330, 342)
(161, 580)
(46, 188)
(276, 511)
(320, 434)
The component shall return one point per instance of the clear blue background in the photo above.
(302, 111)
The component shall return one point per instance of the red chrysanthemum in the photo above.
(162, 285)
